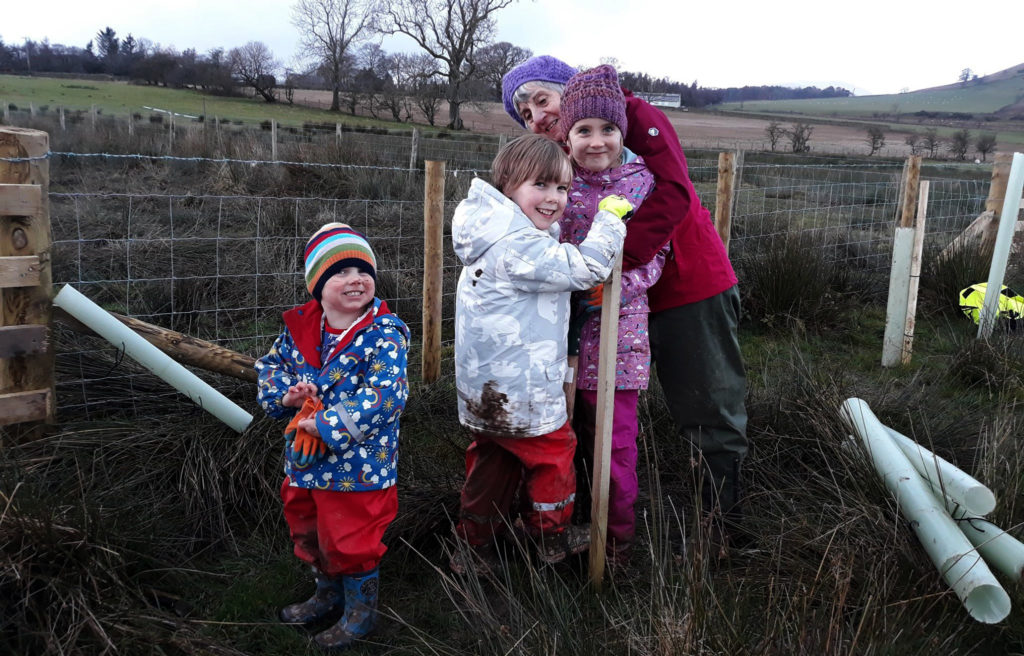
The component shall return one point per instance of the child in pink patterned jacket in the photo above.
(593, 113)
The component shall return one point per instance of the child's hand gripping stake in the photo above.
(304, 448)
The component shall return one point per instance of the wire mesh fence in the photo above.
(222, 267)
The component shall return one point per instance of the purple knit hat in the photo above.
(542, 68)
(593, 94)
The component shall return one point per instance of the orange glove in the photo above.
(304, 448)
(592, 298)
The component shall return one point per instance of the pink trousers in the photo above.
(623, 487)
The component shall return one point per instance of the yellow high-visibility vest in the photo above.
(1011, 304)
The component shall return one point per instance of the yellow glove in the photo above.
(617, 205)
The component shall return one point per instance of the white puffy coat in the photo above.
(512, 311)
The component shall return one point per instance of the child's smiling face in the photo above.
(595, 144)
(541, 201)
(347, 293)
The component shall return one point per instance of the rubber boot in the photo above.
(360, 612)
(721, 501)
(328, 598)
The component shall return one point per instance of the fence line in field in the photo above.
(223, 267)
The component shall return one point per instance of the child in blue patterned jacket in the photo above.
(339, 371)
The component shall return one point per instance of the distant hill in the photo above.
(1000, 93)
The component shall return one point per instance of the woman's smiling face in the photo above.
(541, 111)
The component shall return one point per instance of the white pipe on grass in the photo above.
(945, 478)
(1001, 250)
(158, 362)
(999, 549)
(956, 558)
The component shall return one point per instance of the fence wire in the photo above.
(222, 267)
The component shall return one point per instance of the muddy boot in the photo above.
(360, 612)
(328, 598)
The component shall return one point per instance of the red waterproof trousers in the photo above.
(494, 467)
(339, 532)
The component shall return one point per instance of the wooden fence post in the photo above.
(723, 199)
(413, 149)
(170, 133)
(273, 139)
(502, 140)
(911, 179)
(915, 273)
(92, 118)
(63, 125)
(32, 109)
(337, 134)
(26, 361)
(433, 229)
(1000, 178)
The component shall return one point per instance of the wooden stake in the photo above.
(997, 188)
(182, 348)
(27, 236)
(412, 150)
(63, 126)
(273, 139)
(723, 200)
(911, 178)
(433, 227)
(337, 133)
(915, 273)
(170, 133)
(603, 426)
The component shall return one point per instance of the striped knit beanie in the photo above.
(332, 248)
(593, 94)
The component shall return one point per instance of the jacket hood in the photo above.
(485, 217)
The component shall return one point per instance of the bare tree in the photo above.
(800, 137)
(329, 28)
(959, 144)
(965, 76)
(985, 144)
(774, 131)
(914, 141)
(255, 65)
(932, 142)
(450, 31)
(494, 61)
(875, 139)
(428, 89)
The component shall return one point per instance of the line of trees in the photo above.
(458, 62)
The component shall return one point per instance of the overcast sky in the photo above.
(868, 46)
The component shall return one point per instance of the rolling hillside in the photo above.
(1001, 92)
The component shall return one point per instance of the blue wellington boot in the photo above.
(360, 612)
(328, 598)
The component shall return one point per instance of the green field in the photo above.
(123, 98)
(980, 97)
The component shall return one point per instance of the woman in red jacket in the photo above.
(695, 306)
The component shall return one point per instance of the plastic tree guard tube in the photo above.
(956, 558)
(945, 477)
(149, 356)
(999, 549)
